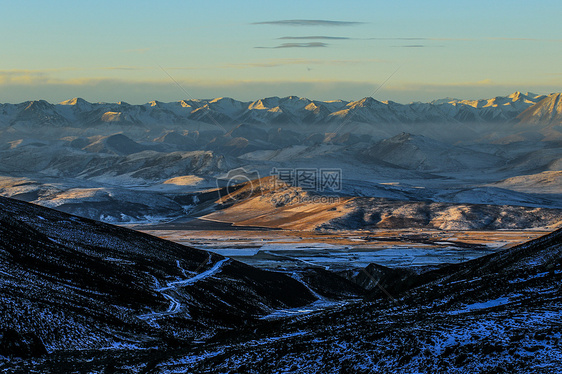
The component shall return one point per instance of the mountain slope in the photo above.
(499, 313)
(547, 111)
(417, 152)
(80, 284)
(267, 202)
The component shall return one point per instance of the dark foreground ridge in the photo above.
(71, 283)
(71, 287)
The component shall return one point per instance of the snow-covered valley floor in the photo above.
(337, 251)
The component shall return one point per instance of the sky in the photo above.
(138, 51)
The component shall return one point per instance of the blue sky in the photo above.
(137, 51)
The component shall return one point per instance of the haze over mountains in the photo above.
(129, 163)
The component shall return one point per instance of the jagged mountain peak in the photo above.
(265, 103)
(293, 97)
(75, 101)
(155, 103)
(311, 106)
(227, 104)
(445, 100)
(226, 101)
(219, 99)
(365, 102)
(547, 111)
(37, 104)
(184, 104)
(517, 95)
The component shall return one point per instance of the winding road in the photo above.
(184, 282)
(175, 306)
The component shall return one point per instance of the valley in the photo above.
(81, 295)
(289, 251)
(219, 235)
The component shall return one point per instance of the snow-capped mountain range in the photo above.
(119, 162)
(275, 110)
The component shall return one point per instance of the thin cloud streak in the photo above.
(418, 46)
(37, 71)
(298, 45)
(424, 39)
(467, 39)
(440, 86)
(284, 62)
(68, 69)
(133, 68)
(526, 39)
